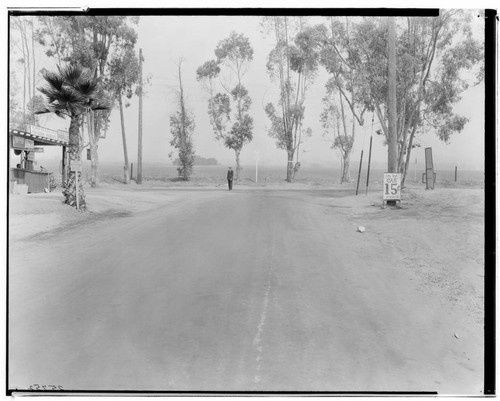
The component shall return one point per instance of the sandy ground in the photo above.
(311, 305)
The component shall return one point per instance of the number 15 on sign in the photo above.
(392, 186)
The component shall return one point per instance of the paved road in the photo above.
(243, 291)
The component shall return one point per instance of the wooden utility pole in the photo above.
(359, 172)
(139, 144)
(369, 162)
(126, 176)
(391, 99)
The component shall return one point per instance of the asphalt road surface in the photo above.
(255, 290)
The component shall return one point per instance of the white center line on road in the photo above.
(260, 328)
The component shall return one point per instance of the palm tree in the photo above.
(72, 92)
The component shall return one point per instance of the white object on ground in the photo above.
(361, 229)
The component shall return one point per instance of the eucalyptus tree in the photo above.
(436, 57)
(332, 118)
(293, 64)
(346, 89)
(233, 56)
(22, 52)
(182, 126)
(73, 92)
(123, 80)
(89, 41)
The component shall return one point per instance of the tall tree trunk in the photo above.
(346, 173)
(408, 155)
(35, 117)
(184, 140)
(296, 142)
(74, 156)
(391, 95)
(27, 59)
(94, 144)
(24, 76)
(289, 167)
(94, 162)
(238, 168)
(126, 176)
(139, 142)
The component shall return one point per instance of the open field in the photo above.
(309, 176)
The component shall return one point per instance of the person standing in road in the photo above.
(230, 178)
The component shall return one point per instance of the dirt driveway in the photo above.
(249, 290)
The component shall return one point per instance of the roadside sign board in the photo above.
(17, 142)
(430, 175)
(43, 132)
(29, 144)
(428, 159)
(392, 186)
(76, 166)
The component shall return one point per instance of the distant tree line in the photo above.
(199, 161)
(437, 59)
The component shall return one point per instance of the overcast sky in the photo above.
(164, 39)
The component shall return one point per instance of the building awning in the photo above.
(41, 136)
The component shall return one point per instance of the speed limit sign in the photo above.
(392, 187)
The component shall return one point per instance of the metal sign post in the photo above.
(359, 172)
(369, 161)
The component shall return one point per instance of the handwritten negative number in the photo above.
(49, 387)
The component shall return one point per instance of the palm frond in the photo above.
(59, 114)
(54, 80)
(67, 95)
(73, 91)
(49, 92)
(87, 89)
(70, 73)
(51, 108)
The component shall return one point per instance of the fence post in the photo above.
(359, 172)
(369, 161)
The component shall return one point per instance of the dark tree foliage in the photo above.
(182, 127)
(436, 60)
(73, 92)
(93, 42)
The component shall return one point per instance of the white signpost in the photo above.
(257, 156)
(392, 187)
